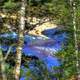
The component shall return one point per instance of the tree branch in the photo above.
(8, 52)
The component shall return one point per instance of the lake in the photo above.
(41, 47)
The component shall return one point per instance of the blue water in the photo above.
(39, 46)
(43, 48)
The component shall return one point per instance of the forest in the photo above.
(39, 39)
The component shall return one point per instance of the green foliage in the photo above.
(59, 10)
(9, 71)
(68, 59)
(9, 5)
(36, 70)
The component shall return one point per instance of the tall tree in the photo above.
(20, 41)
(73, 4)
(2, 66)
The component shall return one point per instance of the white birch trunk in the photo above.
(20, 41)
(2, 67)
(72, 2)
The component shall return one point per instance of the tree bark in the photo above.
(73, 5)
(2, 67)
(20, 41)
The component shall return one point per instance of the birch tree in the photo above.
(20, 41)
(73, 5)
(2, 66)
(2, 60)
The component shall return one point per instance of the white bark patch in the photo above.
(20, 48)
(22, 23)
(22, 8)
(21, 36)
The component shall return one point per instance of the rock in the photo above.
(38, 30)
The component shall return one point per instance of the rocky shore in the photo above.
(37, 31)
